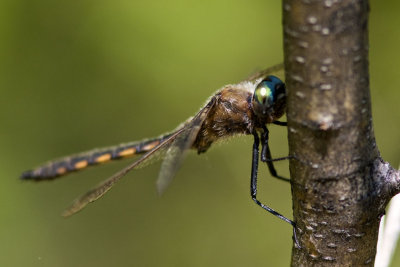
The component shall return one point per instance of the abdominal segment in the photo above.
(78, 162)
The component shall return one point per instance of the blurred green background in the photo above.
(75, 75)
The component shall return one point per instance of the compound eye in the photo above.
(263, 94)
(267, 93)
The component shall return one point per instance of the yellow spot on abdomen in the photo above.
(103, 158)
(61, 170)
(81, 164)
(150, 146)
(127, 152)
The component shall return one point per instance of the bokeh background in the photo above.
(75, 75)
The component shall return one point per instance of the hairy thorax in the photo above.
(231, 115)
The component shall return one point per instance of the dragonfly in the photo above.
(235, 109)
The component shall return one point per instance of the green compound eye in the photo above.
(263, 93)
(267, 94)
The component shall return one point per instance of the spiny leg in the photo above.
(253, 188)
(267, 158)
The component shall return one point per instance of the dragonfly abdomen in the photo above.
(78, 162)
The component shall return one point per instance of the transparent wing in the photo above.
(175, 148)
(278, 68)
(106, 185)
(179, 147)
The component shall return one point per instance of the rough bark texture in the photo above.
(340, 184)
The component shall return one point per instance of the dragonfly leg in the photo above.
(280, 123)
(253, 189)
(267, 158)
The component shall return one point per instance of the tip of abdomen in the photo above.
(36, 175)
(26, 175)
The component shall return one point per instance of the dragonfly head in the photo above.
(269, 99)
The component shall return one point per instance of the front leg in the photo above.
(266, 156)
(280, 123)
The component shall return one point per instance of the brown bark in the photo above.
(340, 184)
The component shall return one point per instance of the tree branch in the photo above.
(340, 185)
